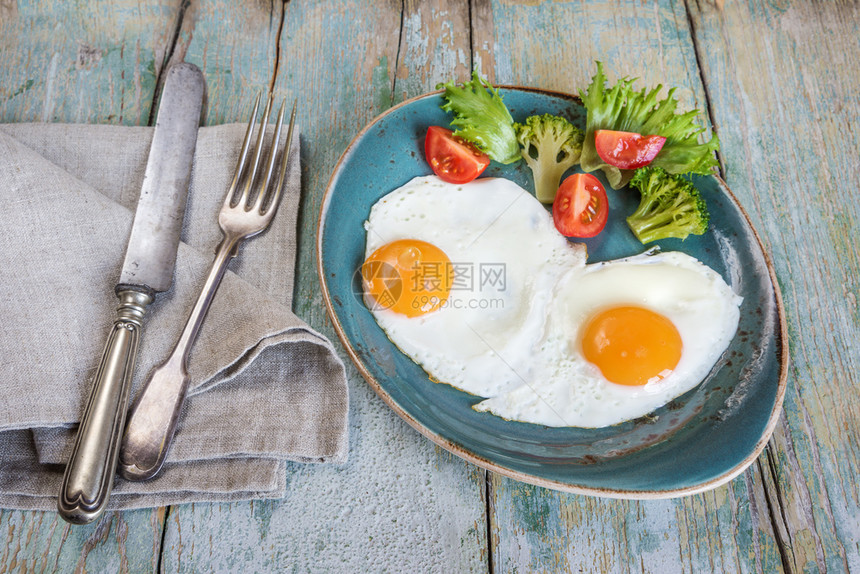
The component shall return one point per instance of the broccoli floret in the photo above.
(670, 207)
(550, 145)
(481, 117)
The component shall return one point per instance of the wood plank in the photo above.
(434, 46)
(238, 56)
(399, 503)
(483, 32)
(554, 46)
(119, 542)
(92, 62)
(724, 530)
(783, 84)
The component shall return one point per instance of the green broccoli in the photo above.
(550, 145)
(670, 207)
(481, 117)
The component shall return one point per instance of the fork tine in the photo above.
(243, 155)
(285, 159)
(249, 181)
(270, 163)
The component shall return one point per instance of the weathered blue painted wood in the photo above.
(554, 46)
(89, 62)
(783, 84)
(92, 62)
(118, 542)
(399, 503)
(780, 81)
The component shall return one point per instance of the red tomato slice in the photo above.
(627, 150)
(452, 158)
(580, 208)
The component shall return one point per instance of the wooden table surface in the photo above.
(778, 80)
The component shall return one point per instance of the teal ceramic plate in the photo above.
(696, 442)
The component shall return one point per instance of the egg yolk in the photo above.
(408, 276)
(631, 345)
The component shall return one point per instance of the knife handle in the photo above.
(89, 475)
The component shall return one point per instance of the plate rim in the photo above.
(492, 466)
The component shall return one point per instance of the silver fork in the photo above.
(153, 417)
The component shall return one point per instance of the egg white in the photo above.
(518, 344)
(567, 390)
(479, 341)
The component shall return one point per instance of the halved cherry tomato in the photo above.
(580, 208)
(627, 150)
(452, 158)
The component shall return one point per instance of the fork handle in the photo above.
(89, 475)
(153, 417)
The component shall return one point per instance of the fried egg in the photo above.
(474, 283)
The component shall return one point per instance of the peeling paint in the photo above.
(88, 57)
(48, 102)
(8, 10)
(21, 89)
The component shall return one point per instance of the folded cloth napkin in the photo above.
(265, 388)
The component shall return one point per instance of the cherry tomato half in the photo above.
(452, 158)
(627, 150)
(580, 208)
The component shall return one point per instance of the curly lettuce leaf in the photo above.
(481, 117)
(623, 109)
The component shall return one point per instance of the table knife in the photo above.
(147, 269)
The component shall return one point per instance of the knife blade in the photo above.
(147, 269)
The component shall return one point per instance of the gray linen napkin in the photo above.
(265, 388)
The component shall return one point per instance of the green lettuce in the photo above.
(623, 109)
(481, 117)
